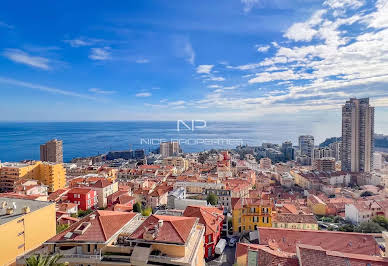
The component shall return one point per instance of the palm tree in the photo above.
(42, 260)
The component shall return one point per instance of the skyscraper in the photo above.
(288, 150)
(306, 146)
(357, 135)
(52, 151)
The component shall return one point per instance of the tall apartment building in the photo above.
(169, 148)
(52, 151)
(336, 148)
(288, 151)
(357, 135)
(324, 164)
(50, 174)
(323, 153)
(306, 146)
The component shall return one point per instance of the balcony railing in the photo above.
(81, 256)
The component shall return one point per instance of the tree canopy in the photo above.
(44, 260)
(212, 199)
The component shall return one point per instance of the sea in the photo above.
(21, 140)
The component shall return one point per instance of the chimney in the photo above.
(160, 223)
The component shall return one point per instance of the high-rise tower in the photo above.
(357, 135)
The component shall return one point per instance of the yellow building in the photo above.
(52, 175)
(317, 206)
(295, 221)
(181, 164)
(24, 226)
(249, 214)
(299, 179)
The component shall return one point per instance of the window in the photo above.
(21, 233)
(209, 238)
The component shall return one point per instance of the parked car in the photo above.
(232, 242)
(220, 246)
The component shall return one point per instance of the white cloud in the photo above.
(343, 3)
(214, 86)
(215, 78)
(204, 69)
(143, 94)
(272, 76)
(177, 103)
(189, 51)
(78, 42)
(333, 64)
(142, 61)
(304, 31)
(100, 53)
(183, 48)
(19, 83)
(22, 57)
(99, 91)
(249, 4)
(379, 19)
(263, 48)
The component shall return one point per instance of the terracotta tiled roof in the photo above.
(64, 207)
(287, 239)
(288, 208)
(295, 218)
(79, 190)
(238, 202)
(101, 183)
(175, 229)
(310, 254)
(160, 191)
(123, 207)
(211, 217)
(102, 227)
(19, 196)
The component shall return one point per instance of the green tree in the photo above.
(381, 220)
(369, 227)
(147, 211)
(137, 207)
(346, 228)
(337, 219)
(212, 199)
(82, 213)
(62, 227)
(42, 260)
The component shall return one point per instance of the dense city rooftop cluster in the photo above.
(245, 205)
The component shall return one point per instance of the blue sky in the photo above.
(286, 60)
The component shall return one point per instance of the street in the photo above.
(227, 258)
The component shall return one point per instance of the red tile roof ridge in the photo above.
(320, 231)
(343, 254)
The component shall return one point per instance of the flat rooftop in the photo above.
(20, 204)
